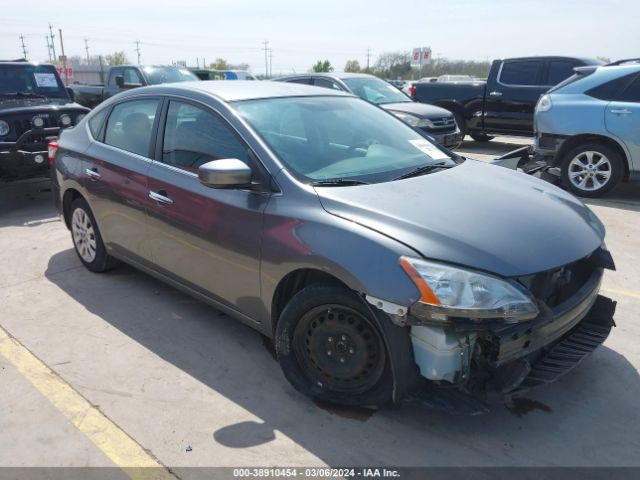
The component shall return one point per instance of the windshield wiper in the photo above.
(337, 182)
(423, 170)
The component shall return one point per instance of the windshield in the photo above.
(329, 138)
(158, 75)
(31, 80)
(375, 90)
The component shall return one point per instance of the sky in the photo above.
(301, 32)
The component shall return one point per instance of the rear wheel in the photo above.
(330, 348)
(481, 137)
(592, 169)
(87, 239)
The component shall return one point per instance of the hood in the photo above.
(421, 110)
(22, 105)
(475, 215)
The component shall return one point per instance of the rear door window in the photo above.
(521, 73)
(325, 83)
(130, 126)
(559, 70)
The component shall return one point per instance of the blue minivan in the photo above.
(589, 128)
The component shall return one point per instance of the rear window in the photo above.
(96, 122)
(611, 90)
(521, 73)
(632, 93)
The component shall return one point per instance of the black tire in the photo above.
(481, 137)
(578, 159)
(330, 348)
(462, 124)
(88, 245)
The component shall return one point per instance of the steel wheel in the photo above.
(84, 236)
(589, 171)
(339, 349)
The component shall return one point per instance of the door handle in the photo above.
(622, 111)
(160, 197)
(495, 94)
(92, 173)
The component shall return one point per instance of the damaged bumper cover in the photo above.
(484, 358)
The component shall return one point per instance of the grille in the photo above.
(21, 125)
(442, 124)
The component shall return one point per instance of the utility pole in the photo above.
(46, 37)
(138, 50)
(24, 47)
(270, 63)
(64, 60)
(53, 45)
(86, 47)
(368, 57)
(266, 63)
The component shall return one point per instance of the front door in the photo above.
(205, 237)
(116, 176)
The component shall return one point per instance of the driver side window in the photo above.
(194, 136)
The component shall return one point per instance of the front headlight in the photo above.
(65, 120)
(412, 120)
(4, 128)
(544, 104)
(457, 292)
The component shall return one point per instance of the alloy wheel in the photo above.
(84, 236)
(589, 171)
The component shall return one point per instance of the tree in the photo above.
(321, 66)
(393, 64)
(352, 66)
(220, 64)
(117, 58)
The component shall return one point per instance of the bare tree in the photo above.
(352, 66)
(117, 58)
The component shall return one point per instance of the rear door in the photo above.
(512, 96)
(116, 176)
(622, 118)
(206, 238)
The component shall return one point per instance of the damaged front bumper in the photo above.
(480, 359)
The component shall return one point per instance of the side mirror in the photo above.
(224, 173)
(71, 93)
(120, 81)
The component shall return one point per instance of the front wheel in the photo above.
(591, 170)
(330, 348)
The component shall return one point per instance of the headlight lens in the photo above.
(459, 292)
(412, 119)
(4, 128)
(65, 120)
(37, 122)
(544, 104)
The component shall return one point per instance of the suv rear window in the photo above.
(611, 90)
(521, 73)
(559, 70)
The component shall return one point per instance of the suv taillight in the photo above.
(53, 148)
(412, 91)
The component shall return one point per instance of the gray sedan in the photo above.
(382, 266)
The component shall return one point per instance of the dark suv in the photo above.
(435, 121)
(34, 107)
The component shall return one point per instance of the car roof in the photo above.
(338, 75)
(585, 60)
(230, 91)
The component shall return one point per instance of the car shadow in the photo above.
(584, 418)
(625, 196)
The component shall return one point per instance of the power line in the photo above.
(24, 47)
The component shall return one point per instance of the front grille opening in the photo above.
(555, 286)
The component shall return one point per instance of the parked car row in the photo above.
(384, 267)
